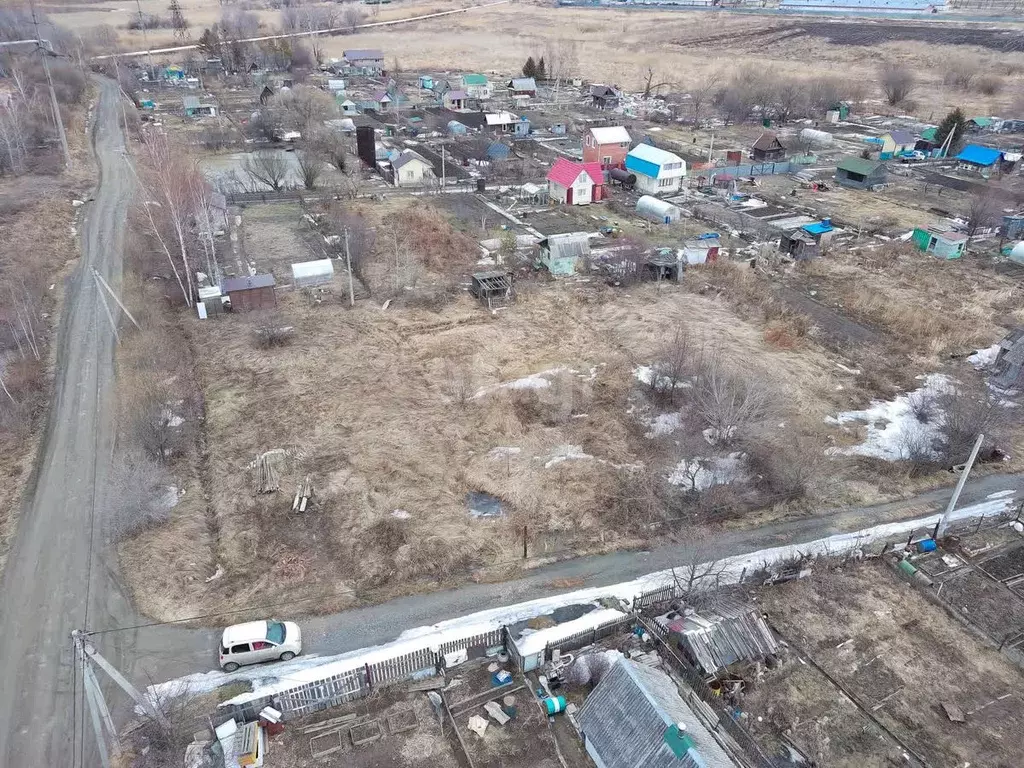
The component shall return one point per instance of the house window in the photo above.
(606, 160)
(409, 174)
(932, 243)
(666, 182)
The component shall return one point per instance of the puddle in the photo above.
(484, 505)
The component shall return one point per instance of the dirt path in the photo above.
(59, 575)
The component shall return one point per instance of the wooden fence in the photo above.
(357, 683)
(589, 636)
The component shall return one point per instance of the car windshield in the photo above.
(275, 632)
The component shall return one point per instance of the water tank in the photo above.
(625, 178)
(815, 137)
(554, 704)
(657, 210)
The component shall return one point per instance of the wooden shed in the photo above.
(248, 294)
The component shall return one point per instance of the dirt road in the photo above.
(58, 574)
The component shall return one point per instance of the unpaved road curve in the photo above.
(51, 583)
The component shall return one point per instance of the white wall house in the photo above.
(411, 169)
(657, 172)
(572, 183)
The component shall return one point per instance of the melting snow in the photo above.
(281, 676)
(536, 641)
(664, 424)
(700, 473)
(645, 374)
(540, 380)
(983, 358)
(503, 452)
(890, 424)
(565, 453)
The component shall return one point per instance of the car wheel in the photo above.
(287, 656)
(230, 667)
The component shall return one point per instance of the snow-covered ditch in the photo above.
(701, 473)
(271, 679)
(892, 426)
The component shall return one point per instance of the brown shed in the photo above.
(248, 294)
(768, 148)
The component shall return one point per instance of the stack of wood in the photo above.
(302, 495)
(265, 478)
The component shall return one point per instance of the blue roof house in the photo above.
(657, 171)
(975, 157)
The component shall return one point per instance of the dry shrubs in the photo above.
(438, 245)
(139, 494)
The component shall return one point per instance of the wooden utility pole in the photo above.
(348, 265)
(943, 524)
(58, 122)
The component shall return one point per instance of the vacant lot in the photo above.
(880, 638)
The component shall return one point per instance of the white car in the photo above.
(257, 641)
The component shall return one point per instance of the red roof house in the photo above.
(575, 183)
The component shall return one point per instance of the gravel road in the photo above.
(58, 573)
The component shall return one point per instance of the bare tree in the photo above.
(139, 493)
(960, 73)
(311, 166)
(897, 83)
(625, 264)
(302, 108)
(678, 363)
(652, 87)
(352, 16)
(791, 100)
(702, 92)
(332, 147)
(985, 210)
(701, 573)
(267, 167)
(729, 403)
(967, 411)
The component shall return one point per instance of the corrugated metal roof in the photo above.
(610, 135)
(928, 134)
(567, 246)
(624, 720)
(474, 79)
(767, 140)
(500, 118)
(363, 54)
(979, 155)
(565, 172)
(523, 84)
(652, 160)
(407, 157)
(190, 102)
(233, 284)
(901, 137)
(728, 632)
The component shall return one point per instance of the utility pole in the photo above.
(124, 114)
(145, 39)
(53, 95)
(940, 527)
(102, 285)
(711, 149)
(102, 722)
(348, 264)
(443, 177)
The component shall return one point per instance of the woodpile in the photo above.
(265, 471)
(302, 495)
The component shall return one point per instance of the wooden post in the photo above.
(525, 531)
(369, 677)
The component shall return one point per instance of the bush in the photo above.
(139, 495)
(147, 21)
(269, 333)
(990, 85)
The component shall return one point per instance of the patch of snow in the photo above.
(714, 436)
(645, 374)
(167, 496)
(845, 369)
(270, 679)
(538, 640)
(983, 358)
(664, 424)
(503, 452)
(1000, 494)
(401, 514)
(566, 453)
(541, 380)
(892, 425)
(701, 473)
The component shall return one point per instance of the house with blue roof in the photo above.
(808, 241)
(657, 171)
(978, 158)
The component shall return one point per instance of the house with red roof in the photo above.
(575, 183)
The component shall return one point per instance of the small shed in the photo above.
(702, 250)
(454, 99)
(895, 143)
(975, 157)
(767, 148)
(309, 274)
(561, 254)
(248, 294)
(335, 85)
(657, 210)
(940, 243)
(979, 124)
(806, 242)
(604, 96)
(411, 169)
(426, 82)
(522, 128)
(1008, 369)
(348, 107)
(575, 183)
(195, 107)
(492, 287)
(1013, 226)
(636, 717)
(523, 86)
(859, 173)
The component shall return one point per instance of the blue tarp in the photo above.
(979, 155)
(818, 228)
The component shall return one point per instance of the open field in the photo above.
(901, 657)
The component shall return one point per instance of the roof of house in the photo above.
(979, 155)
(767, 140)
(232, 284)
(859, 165)
(818, 227)
(928, 134)
(190, 102)
(901, 137)
(982, 122)
(407, 157)
(567, 245)
(610, 135)
(474, 79)
(603, 91)
(523, 84)
(565, 172)
(455, 95)
(381, 96)
(335, 84)
(728, 632)
(651, 160)
(362, 54)
(632, 715)
(500, 118)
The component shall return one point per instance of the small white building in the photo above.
(657, 171)
(411, 169)
(501, 121)
(657, 210)
(309, 274)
